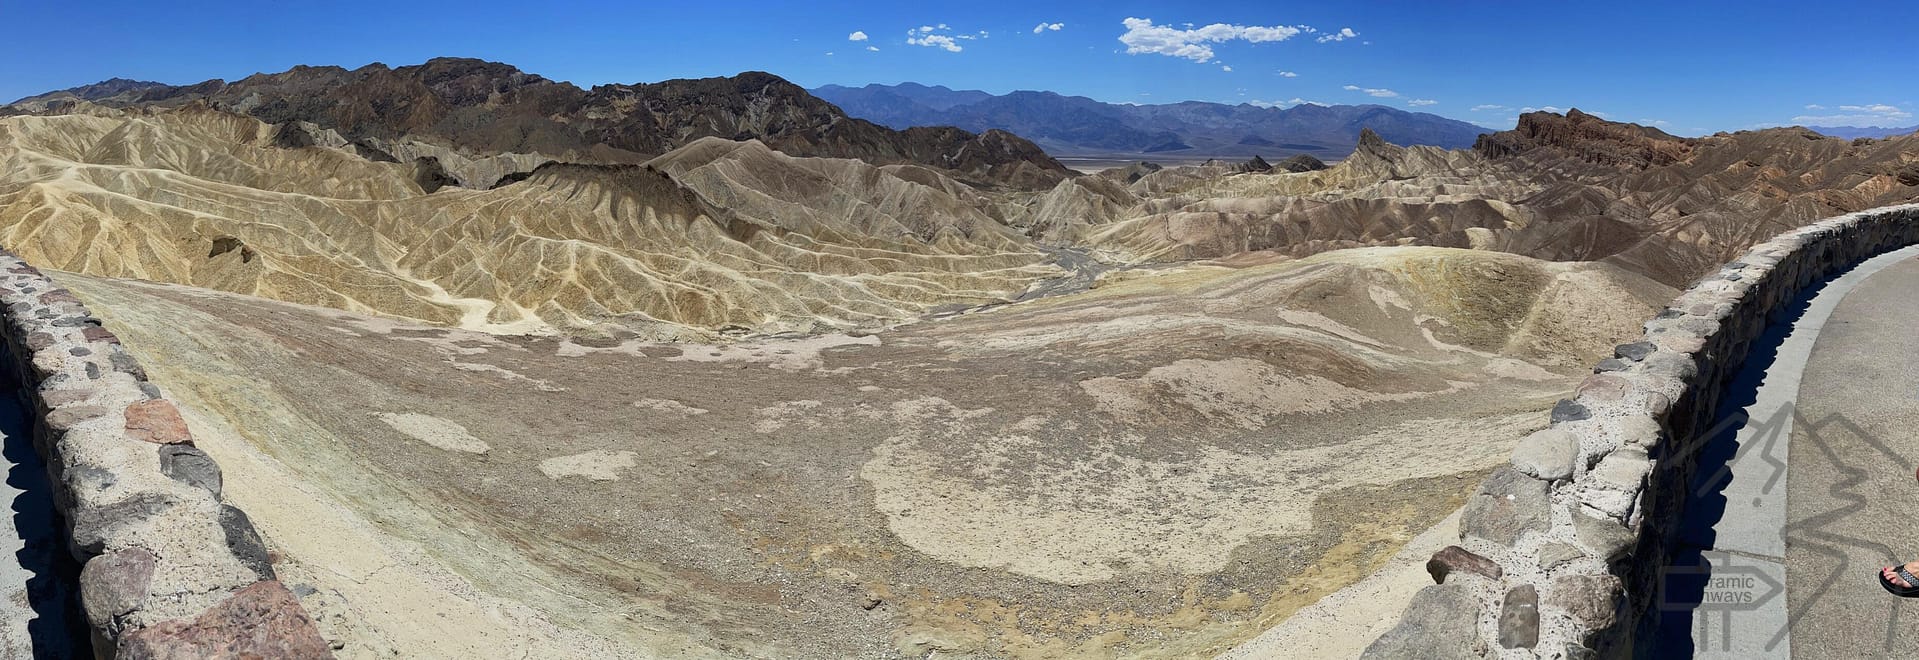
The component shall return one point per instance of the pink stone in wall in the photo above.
(157, 421)
(97, 333)
(260, 621)
(57, 296)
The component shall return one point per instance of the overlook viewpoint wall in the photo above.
(168, 570)
(1561, 550)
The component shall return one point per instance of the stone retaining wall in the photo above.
(1561, 551)
(168, 570)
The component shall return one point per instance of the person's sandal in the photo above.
(1894, 588)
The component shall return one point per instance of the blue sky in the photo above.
(1690, 67)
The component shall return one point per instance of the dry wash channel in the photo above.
(1161, 466)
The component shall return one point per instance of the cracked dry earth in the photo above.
(1163, 466)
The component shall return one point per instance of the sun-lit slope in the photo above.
(755, 239)
(1561, 188)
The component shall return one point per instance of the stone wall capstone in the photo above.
(168, 570)
(1560, 551)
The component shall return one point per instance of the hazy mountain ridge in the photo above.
(1854, 132)
(1076, 125)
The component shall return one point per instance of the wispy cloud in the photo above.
(1869, 114)
(1483, 107)
(1375, 92)
(873, 48)
(1421, 102)
(1143, 37)
(1287, 74)
(1044, 27)
(1225, 68)
(1342, 35)
(856, 36)
(1278, 104)
(1654, 122)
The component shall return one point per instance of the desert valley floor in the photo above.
(1163, 466)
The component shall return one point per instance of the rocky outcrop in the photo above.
(1302, 163)
(168, 569)
(1588, 138)
(1578, 552)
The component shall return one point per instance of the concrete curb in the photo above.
(1565, 560)
(168, 569)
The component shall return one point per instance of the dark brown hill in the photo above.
(489, 108)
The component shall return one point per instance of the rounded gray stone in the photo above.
(1554, 555)
(1508, 504)
(1548, 454)
(1624, 468)
(1519, 618)
(114, 584)
(1442, 621)
(1602, 536)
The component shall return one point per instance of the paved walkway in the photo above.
(1780, 555)
(1853, 503)
(38, 615)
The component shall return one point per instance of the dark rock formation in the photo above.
(1302, 163)
(430, 175)
(1588, 138)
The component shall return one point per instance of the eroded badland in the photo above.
(846, 391)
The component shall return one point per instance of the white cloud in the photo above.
(1550, 108)
(1142, 37)
(1372, 91)
(1225, 68)
(873, 48)
(1815, 106)
(1654, 122)
(1342, 35)
(936, 41)
(926, 36)
(1288, 74)
(1043, 27)
(1488, 106)
(829, 53)
(856, 36)
(1420, 102)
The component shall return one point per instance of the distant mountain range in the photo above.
(1080, 126)
(490, 108)
(1851, 132)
